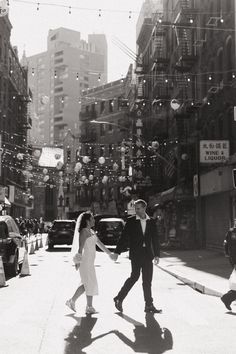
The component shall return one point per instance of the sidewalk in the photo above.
(205, 271)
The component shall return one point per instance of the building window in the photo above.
(102, 107)
(111, 105)
(59, 53)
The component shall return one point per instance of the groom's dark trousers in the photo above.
(142, 249)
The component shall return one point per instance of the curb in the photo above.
(194, 285)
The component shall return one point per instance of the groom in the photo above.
(140, 235)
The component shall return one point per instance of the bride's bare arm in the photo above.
(103, 247)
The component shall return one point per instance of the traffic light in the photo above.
(234, 177)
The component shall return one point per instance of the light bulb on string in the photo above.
(210, 78)
(233, 76)
(77, 76)
(69, 10)
(99, 13)
(38, 6)
(55, 74)
(32, 71)
(99, 77)
(130, 14)
(222, 20)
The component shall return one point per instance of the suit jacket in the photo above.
(133, 238)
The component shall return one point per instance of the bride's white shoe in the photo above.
(90, 310)
(71, 304)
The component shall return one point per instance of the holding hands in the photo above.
(114, 256)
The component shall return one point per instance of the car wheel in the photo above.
(13, 268)
(50, 246)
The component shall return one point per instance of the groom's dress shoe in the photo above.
(152, 309)
(118, 304)
(226, 303)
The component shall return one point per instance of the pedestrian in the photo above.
(230, 251)
(140, 235)
(83, 253)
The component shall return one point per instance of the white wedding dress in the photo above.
(87, 268)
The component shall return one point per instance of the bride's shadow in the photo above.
(81, 335)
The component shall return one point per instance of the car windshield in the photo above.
(110, 226)
(63, 225)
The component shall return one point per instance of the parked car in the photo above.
(12, 245)
(61, 233)
(98, 217)
(109, 230)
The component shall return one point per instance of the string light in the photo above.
(99, 13)
(130, 14)
(38, 6)
(69, 10)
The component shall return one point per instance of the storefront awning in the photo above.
(6, 202)
(177, 193)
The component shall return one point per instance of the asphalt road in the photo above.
(34, 318)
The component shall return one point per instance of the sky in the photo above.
(30, 27)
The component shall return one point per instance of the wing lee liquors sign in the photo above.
(214, 151)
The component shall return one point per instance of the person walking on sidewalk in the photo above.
(83, 253)
(230, 250)
(140, 235)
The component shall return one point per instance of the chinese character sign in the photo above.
(214, 151)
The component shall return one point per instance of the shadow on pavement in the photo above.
(81, 337)
(149, 338)
(58, 249)
(212, 262)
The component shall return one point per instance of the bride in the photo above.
(83, 253)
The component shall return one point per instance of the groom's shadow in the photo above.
(150, 339)
(81, 335)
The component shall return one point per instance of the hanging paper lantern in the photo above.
(86, 181)
(184, 157)
(155, 144)
(115, 166)
(91, 177)
(37, 153)
(67, 180)
(122, 149)
(20, 156)
(83, 178)
(45, 171)
(59, 165)
(46, 178)
(86, 159)
(60, 173)
(51, 186)
(30, 168)
(104, 179)
(101, 160)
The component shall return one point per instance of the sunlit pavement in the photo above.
(34, 318)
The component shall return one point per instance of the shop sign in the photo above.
(17, 196)
(214, 151)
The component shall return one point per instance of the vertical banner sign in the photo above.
(1, 150)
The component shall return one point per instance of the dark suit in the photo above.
(142, 249)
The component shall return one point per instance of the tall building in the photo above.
(57, 78)
(14, 124)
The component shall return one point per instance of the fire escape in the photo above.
(160, 61)
(185, 54)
